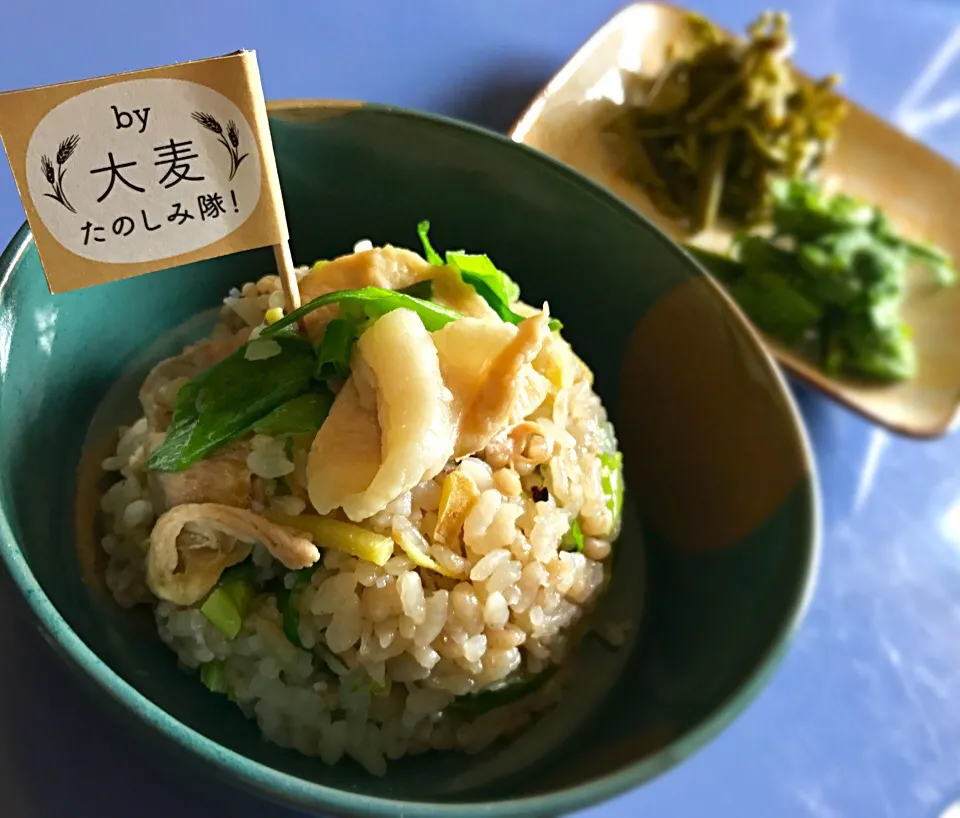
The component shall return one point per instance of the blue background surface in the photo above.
(863, 719)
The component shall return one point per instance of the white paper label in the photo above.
(143, 170)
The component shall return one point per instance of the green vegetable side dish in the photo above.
(808, 213)
(830, 281)
(724, 119)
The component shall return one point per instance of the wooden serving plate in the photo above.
(919, 190)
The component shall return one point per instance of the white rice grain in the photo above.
(506, 575)
(488, 564)
(474, 648)
(435, 618)
(466, 607)
(261, 349)
(410, 589)
(139, 512)
(496, 614)
(478, 471)
(288, 504)
(269, 464)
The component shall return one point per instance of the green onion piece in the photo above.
(508, 692)
(223, 612)
(347, 537)
(422, 289)
(242, 593)
(480, 267)
(333, 358)
(290, 614)
(423, 228)
(290, 606)
(373, 302)
(611, 481)
(381, 688)
(573, 539)
(229, 602)
(493, 285)
(214, 677)
(302, 415)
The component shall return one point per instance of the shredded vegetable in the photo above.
(413, 545)
(457, 496)
(347, 537)
(726, 117)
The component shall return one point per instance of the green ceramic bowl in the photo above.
(718, 555)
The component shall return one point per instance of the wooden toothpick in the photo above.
(291, 287)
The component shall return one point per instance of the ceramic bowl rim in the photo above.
(301, 793)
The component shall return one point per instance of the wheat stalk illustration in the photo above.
(230, 140)
(53, 176)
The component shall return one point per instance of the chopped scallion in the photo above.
(573, 539)
(333, 358)
(214, 677)
(222, 612)
(347, 537)
(289, 604)
(228, 603)
(493, 285)
(611, 480)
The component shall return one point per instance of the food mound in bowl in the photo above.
(372, 522)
